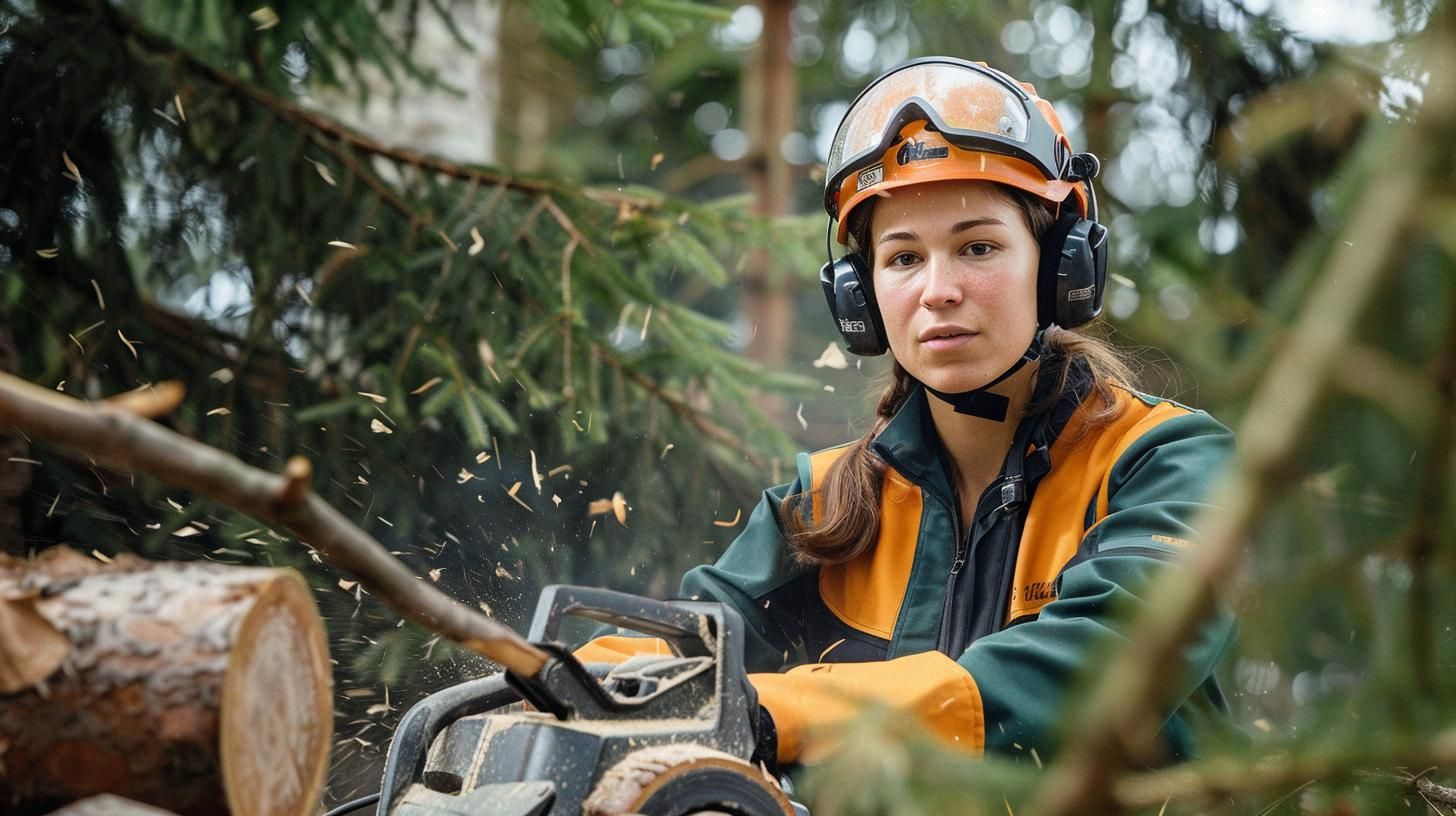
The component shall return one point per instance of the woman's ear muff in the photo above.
(1073, 272)
(847, 287)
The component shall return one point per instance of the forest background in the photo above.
(491, 266)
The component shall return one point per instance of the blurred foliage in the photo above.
(1237, 144)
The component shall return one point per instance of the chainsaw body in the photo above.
(597, 732)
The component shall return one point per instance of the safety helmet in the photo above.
(941, 118)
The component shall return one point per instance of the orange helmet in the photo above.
(941, 118)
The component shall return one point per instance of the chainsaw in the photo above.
(660, 735)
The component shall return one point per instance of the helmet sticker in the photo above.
(913, 151)
(870, 176)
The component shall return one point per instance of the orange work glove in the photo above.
(810, 703)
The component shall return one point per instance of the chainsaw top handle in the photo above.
(682, 628)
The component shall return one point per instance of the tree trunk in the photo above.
(771, 94)
(194, 687)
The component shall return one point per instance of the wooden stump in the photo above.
(195, 687)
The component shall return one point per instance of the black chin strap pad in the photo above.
(980, 402)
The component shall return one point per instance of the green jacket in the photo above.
(1020, 599)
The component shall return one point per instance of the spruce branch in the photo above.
(316, 123)
(110, 434)
(1129, 694)
(680, 406)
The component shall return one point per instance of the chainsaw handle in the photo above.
(682, 628)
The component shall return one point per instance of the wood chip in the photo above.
(512, 493)
(342, 244)
(265, 17)
(487, 357)
(222, 375)
(101, 556)
(45, 649)
(177, 103)
(130, 345)
(656, 160)
(72, 172)
(48, 253)
(619, 507)
(324, 173)
(376, 397)
(430, 383)
(219, 412)
(186, 531)
(477, 243)
(100, 300)
(464, 476)
(379, 427)
(732, 523)
(347, 585)
(435, 574)
(449, 243)
(804, 423)
(481, 458)
(832, 357)
(535, 473)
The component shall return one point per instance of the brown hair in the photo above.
(849, 500)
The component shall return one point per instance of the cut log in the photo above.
(194, 687)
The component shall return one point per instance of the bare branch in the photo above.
(111, 435)
(1216, 777)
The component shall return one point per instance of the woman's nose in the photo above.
(941, 286)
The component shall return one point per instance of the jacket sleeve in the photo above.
(1155, 492)
(1008, 691)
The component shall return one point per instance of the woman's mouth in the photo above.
(941, 339)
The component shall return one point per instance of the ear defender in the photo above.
(847, 287)
(1073, 272)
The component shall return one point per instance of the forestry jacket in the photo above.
(978, 626)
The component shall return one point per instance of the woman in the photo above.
(972, 553)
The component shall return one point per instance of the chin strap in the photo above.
(980, 402)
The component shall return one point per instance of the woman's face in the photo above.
(955, 275)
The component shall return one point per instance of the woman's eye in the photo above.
(903, 259)
(980, 248)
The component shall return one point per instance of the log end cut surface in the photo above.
(277, 710)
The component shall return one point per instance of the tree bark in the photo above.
(198, 688)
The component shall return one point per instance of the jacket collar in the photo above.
(910, 445)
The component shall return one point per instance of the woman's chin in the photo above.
(955, 383)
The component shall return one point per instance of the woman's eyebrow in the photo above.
(958, 228)
(976, 222)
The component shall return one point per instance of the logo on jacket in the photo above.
(870, 176)
(852, 326)
(1081, 294)
(913, 151)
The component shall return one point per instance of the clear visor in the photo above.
(965, 99)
